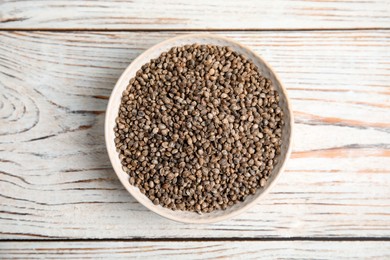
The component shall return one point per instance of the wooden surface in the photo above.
(197, 250)
(56, 181)
(200, 14)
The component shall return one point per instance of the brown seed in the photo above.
(189, 141)
(199, 128)
(262, 182)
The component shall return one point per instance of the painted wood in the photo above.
(56, 180)
(200, 14)
(197, 250)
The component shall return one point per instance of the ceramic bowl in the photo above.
(113, 109)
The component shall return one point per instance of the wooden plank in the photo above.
(200, 14)
(56, 180)
(197, 250)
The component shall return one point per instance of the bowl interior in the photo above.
(113, 109)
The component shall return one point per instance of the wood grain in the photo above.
(200, 14)
(196, 250)
(56, 180)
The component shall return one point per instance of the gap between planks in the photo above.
(192, 30)
(209, 239)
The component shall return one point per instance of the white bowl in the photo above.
(113, 109)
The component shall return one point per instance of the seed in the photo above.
(199, 129)
(189, 141)
(132, 180)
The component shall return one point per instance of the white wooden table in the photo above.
(59, 196)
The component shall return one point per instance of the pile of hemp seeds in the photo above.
(199, 128)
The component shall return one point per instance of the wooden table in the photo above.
(59, 61)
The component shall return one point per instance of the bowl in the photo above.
(113, 110)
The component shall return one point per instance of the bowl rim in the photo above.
(154, 208)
